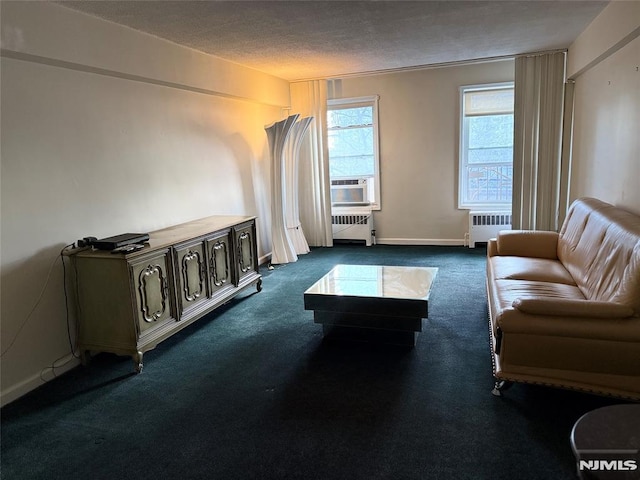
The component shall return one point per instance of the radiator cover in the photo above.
(352, 223)
(484, 226)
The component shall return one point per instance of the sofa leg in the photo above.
(499, 386)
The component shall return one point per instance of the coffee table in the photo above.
(372, 303)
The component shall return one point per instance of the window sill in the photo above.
(486, 208)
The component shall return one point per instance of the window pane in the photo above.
(490, 155)
(358, 166)
(351, 152)
(490, 139)
(490, 183)
(491, 131)
(348, 117)
(354, 141)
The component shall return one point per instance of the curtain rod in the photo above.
(456, 63)
(539, 54)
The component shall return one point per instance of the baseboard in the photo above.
(421, 241)
(16, 391)
(265, 259)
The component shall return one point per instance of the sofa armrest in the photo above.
(492, 247)
(528, 243)
(572, 308)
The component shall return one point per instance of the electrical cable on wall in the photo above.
(66, 304)
(38, 300)
(37, 303)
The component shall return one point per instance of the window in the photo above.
(352, 127)
(486, 147)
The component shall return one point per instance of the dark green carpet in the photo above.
(252, 392)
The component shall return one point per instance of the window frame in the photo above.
(356, 102)
(462, 149)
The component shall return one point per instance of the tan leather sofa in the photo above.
(564, 307)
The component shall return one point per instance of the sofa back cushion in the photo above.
(599, 244)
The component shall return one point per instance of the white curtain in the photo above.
(309, 99)
(283, 250)
(538, 118)
(291, 195)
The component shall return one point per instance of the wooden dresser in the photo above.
(128, 303)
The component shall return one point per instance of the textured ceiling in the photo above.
(320, 39)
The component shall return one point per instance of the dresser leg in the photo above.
(85, 357)
(137, 362)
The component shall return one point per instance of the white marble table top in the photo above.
(376, 281)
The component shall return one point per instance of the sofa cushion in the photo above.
(507, 291)
(528, 243)
(628, 291)
(572, 308)
(614, 275)
(503, 294)
(526, 268)
(576, 247)
(599, 245)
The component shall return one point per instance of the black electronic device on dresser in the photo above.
(111, 243)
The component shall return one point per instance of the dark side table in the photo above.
(606, 443)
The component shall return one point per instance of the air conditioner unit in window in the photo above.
(349, 192)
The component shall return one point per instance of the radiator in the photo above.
(486, 225)
(352, 224)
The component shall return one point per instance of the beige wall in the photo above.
(419, 124)
(604, 62)
(106, 130)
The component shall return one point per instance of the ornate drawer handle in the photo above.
(189, 257)
(219, 247)
(244, 236)
(148, 313)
